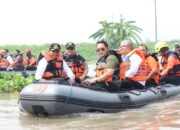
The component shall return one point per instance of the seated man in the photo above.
(170, 64)
(133, 68)
(30, 61)
(18, 61)
(152, 67)
(52, 65)
(75, 61)
(3, 62)
(107, 68)
(177, 48)
(7, 56)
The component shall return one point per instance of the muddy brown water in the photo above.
(164, 114)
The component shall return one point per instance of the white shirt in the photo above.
(42, 67)
(135, 61)
(9, 59)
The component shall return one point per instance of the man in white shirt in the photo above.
(7, 56)
(132, 69)
(52, 65)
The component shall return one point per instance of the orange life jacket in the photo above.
(31, 61)
(76, 63)
(176, 67)
(125, 65)
(54, 67)
(20, 62)
(77, 68)
(148, 69)
(4, 63)
(101, 68)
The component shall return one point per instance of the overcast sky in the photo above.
(46, 21)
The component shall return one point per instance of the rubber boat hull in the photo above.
(59, 99)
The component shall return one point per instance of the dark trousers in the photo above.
(2, 69)
(120, 85)
(19, 68)
(130, 84)
(170, 79)
(150, 83)
(30, 68)
(109, 86)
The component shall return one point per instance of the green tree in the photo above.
(105, 32)
(115, 32)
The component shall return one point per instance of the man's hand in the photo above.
(90, 81)
(71, 80)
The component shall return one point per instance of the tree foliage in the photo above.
(115, 32)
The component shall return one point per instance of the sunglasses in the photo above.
(70, 48)
(100, 49)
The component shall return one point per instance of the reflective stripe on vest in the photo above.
(54, 67)
(101, 68)
(125, 65)
(77, 68)
(75, 63)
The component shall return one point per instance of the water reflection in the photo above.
(161, 115)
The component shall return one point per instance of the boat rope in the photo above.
(69, 93)
(154, 90)
(137, 94)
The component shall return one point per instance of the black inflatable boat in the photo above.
(58, 98)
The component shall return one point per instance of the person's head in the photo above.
(16, 52)
(162, 48)
(5, 51)
(1, 54)
(28, 52)
(70, 48)
(54, 50)
(102, 48)
(144, 49)
(125, 47)
(176, 45)
(177, 48)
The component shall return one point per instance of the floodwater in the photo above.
(155, 116)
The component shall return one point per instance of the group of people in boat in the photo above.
(125, 67)
(17, 61)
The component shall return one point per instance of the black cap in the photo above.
(70, 45)
(54, 46)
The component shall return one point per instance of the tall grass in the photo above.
(87, 50)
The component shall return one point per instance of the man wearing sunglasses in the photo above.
(52, 65)
(75, 61)
(107, 67)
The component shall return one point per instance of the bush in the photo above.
(14, 82)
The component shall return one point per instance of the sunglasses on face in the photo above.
(70, 48)
(100, 49)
